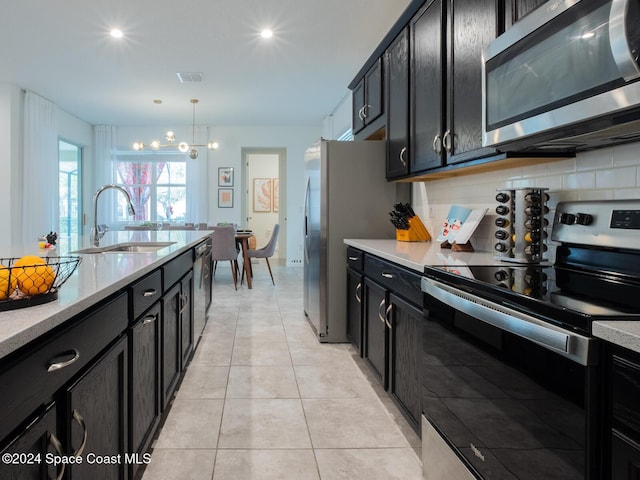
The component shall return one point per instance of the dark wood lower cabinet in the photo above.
(29, 448)
(375, 347)
(171, 306)
(95, 414)
(392, 332)
(144, 390)
(405, 348)
(354, 308)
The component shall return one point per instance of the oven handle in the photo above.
(569, 345)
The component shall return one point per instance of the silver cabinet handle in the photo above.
(58, 365)
(361, 114)
(149, 293)
(620, 49)
(149, 319)
(57, 446)
(437, 144)
(353, 259)
(447, 141)
(388, 275)
(184, 301)
(402, 154)
(386, 316)
(380, 308)
(78, 418)
(357, 294)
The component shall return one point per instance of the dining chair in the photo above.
(265, 252)
(224, 249)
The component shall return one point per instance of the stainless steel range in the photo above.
(511, 372)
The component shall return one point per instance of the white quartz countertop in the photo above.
(96, 278)
(415, 255)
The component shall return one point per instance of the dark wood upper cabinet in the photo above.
(397, 80)
(427, 84)
(367, 97)
(471, 26)
(515, 10)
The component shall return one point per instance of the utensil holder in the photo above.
(416, 232)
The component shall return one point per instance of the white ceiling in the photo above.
(61, 49)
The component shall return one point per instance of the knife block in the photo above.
(417, 232)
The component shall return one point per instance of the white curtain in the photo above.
(197, 180)
(40, 189)
(104, 141)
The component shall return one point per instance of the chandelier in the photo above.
(184, 147)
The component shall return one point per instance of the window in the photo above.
(69, 163)
(158, 188)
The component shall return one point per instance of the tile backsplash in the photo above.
(610, 173)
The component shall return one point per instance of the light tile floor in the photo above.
(263, 399)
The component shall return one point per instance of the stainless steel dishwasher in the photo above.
(202, 285)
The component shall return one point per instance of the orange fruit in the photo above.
(33, 275)
(7, 282)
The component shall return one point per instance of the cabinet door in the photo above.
(375, 349)
(398, 106)
(354, 308)
(96, 416)
(426, 89)
(357, 113)
(405, 355)
(625, 458)
(144, 385)
(170, 365)
(186, 319)
(373, 106)
(473, 25)
(29, 448)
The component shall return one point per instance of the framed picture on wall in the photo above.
(276, 194)
(225, 176)
(225, 198)
(261, 194)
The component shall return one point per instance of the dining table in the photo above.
(243, 239)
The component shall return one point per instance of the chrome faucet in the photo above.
(98, 231)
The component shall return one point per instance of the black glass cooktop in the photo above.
(567, 296)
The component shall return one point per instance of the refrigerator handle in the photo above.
(306, 219)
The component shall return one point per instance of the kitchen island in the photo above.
(90, 374)
(97, 277)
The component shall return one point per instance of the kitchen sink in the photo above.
(127, 247)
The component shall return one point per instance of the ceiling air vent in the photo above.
(190, 77)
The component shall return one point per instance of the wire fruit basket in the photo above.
(32, 280)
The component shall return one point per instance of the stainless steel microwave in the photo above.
(565, 77)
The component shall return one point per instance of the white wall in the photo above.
(232, 139)
(10, 164)
(610, 173)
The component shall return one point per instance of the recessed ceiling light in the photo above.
(116, 33)
(266, 33)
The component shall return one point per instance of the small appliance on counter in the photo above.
(521, 225)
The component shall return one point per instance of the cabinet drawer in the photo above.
(145, 293)
(176, 268)
(36, 374)
(400, 280)
(355, 259)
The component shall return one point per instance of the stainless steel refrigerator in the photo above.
(347, 196)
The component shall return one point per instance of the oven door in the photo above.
(499, 404)
(567, 62)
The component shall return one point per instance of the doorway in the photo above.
(264, 198)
